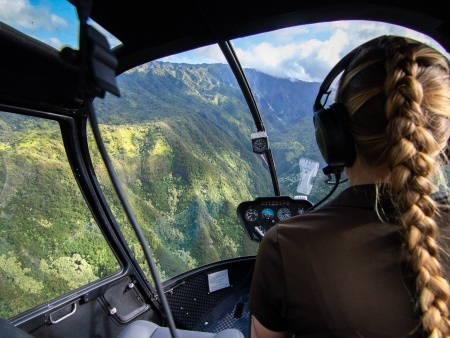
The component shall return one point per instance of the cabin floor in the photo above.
(232, 312)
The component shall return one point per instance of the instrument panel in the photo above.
(260, 215)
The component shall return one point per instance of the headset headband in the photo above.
(336, 70)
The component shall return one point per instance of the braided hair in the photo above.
(397, 93)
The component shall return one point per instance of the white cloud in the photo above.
(54, 42)
(20, 13)
(305, 52)
(306, 60)
(310, 59)
(211, 54)
(208, 54)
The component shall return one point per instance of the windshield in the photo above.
(285, 69)
(180, 139)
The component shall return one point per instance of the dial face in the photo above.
(267, 213)
(251, 215)
(259, 145)
(283, 213)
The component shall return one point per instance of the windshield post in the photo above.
(233, 61)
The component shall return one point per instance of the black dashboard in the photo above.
(260, 215)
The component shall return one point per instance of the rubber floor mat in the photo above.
(232, 312)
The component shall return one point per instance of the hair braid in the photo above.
(411, 160)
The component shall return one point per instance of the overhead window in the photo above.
(52, 22)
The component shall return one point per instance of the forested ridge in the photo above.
(179, 136)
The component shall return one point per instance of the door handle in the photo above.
(55, 321)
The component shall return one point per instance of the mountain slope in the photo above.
(179, 137)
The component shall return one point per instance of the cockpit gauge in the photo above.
(283, 213)
(260, 142)
(268, 214)
(259, 215)
(251, 215)
(260, 145)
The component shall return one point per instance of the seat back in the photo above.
(145, 329)
(7, 330)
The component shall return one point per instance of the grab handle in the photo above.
(74, 309)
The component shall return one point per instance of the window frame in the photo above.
(72, 124)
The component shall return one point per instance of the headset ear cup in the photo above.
(320, 122)
(333, 132)
(334, 137)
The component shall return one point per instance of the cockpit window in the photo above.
(50, 243)
(284, 69)
(179, 139)
(52, 22)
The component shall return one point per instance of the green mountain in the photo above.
(160, 90)
(183, 132)
(179, 137)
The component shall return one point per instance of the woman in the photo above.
(373, 262)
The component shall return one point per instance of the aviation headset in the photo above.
(332, 124)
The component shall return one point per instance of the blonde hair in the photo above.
(397, 93)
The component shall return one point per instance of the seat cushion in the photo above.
(145, 329)
(8, 330)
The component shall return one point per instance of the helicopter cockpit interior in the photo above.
(145, 150)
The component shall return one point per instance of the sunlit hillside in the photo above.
(179, 137)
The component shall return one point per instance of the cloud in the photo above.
(20, 13)
(305, 53)
(310, 59)
(207, 54)
(306, 60)
(54, 42)
(212, 54)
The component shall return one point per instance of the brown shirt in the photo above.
(335, 272)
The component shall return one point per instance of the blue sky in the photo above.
(306, 52)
